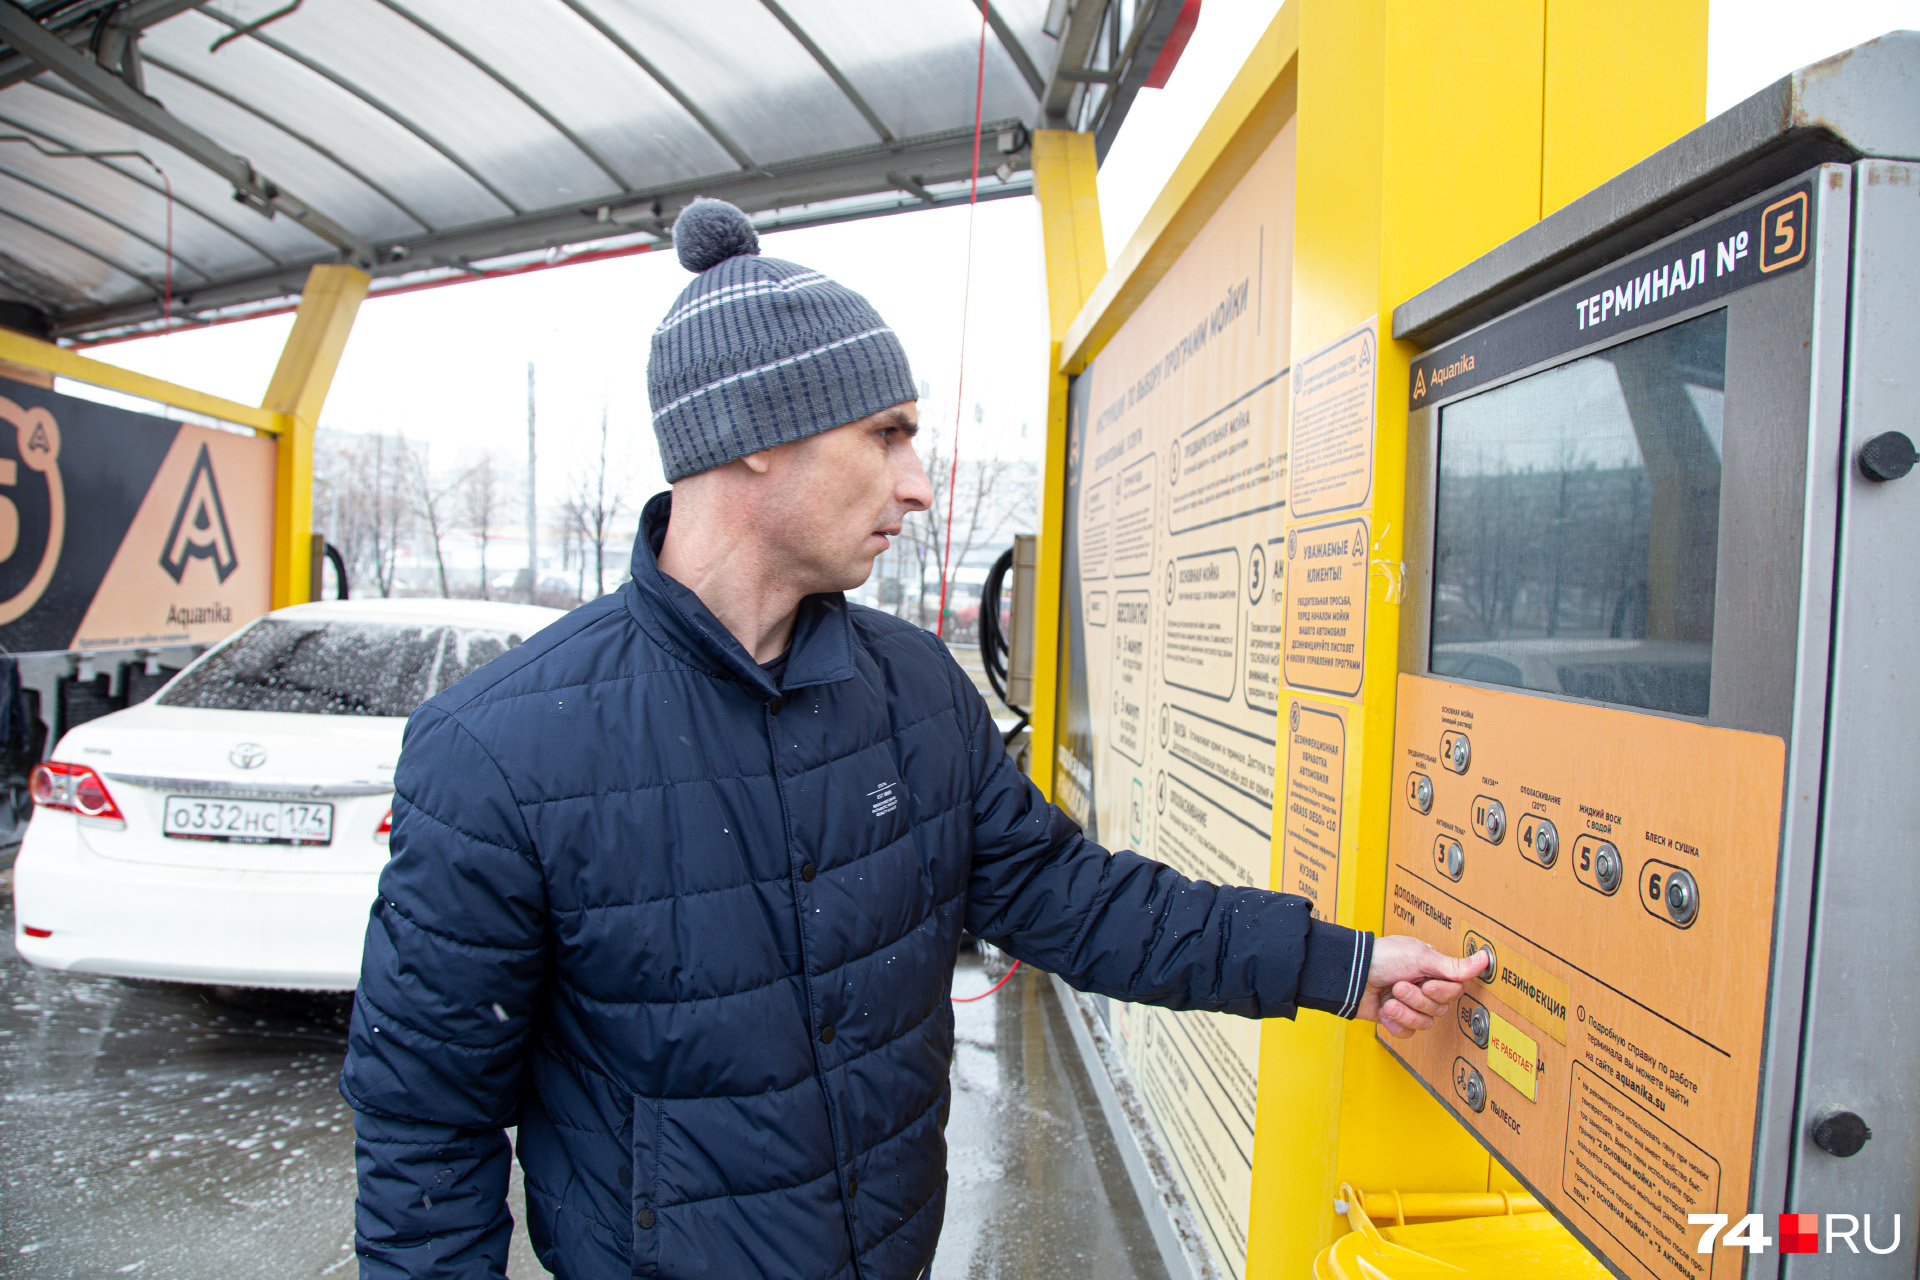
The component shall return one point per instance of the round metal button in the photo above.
(1456, 859)
(1477, 1025)
(1546, 842)
(1422, 792)
(1460, 752)
(1606, 868)
(644, 1219)
(1475, 1090)
(826, 1034)
(808, 871)
(1496, 822)
(1682, 898)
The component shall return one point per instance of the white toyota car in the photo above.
(231, 829)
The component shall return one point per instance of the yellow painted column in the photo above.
(1064, 171)
(295, 395)
(1623, 79)
(1425, 138)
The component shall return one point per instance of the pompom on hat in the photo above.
(757, 351)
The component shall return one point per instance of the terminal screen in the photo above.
(1577, 525)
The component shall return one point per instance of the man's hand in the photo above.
(1410, 984)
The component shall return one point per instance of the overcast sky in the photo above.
(447, 366)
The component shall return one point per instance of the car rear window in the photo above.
(335, 668)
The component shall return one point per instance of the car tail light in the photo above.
(75, 788)
(32, 932)
(384, 832)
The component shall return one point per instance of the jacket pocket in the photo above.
(649, 1120)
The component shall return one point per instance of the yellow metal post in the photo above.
(295, 395)
(1624, 78)
(1064, 168)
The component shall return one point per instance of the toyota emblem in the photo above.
(248, 755)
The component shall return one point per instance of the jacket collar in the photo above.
(822, 650)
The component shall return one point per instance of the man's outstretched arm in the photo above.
(1125, 926)
(455, 953)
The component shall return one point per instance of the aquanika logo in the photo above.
(200, 526)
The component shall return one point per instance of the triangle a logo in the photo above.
(200, 529)
(1419, 383)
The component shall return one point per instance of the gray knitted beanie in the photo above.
(757, 352)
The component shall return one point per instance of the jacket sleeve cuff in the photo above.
(1334, 975)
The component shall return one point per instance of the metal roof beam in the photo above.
(138, 179)
(845, 85)
(862, 171)
(310, 143)
(335, 78)
(119, 99)
(687, 104)
(1015, 50)
(138, 16)
(1076, 45)
(1135, 65)
(912, 188)
(580, 144)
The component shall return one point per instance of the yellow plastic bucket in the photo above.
(1496, 1235)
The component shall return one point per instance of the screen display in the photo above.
(1577, 525)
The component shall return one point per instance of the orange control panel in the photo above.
(1619, 868)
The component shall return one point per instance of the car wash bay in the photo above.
(161, 1130)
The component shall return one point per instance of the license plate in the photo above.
(247, 821)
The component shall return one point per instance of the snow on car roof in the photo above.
(499, 615)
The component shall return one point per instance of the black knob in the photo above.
(1839, 1132)
(1887, 456)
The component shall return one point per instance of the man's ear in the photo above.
(759, 463)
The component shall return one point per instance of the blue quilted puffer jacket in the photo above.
(693, 934)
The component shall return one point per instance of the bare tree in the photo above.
(483, 504)
(434, 506)
(986, 502)
(363, 484)
(594, 507)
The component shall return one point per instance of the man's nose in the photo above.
(910, 488)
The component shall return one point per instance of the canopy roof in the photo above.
(431, 139)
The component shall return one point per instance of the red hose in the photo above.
(990, 990)
(966, 300)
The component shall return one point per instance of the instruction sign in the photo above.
(123, 530)
(1326, 607)
(1316, 790)
(1174, 586)
(1611, 1053)
(1331, 457)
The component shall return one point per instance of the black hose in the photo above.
(339, 569)
(994, 646)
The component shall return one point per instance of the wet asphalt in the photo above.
(160, 1130)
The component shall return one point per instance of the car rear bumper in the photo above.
(185, 924)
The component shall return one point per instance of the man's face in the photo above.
(834, 501)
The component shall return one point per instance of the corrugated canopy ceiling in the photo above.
(427, 139)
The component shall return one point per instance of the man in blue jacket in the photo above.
(677, 885)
